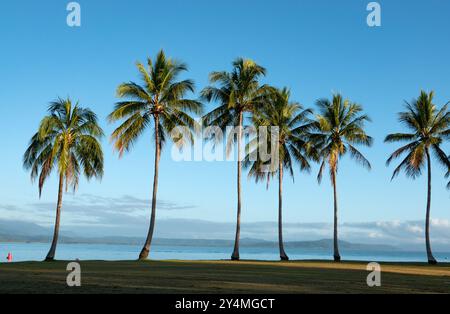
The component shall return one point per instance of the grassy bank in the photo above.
(223, 277)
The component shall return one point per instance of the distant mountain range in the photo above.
(24, 232)
(21, 228)
(320, 244)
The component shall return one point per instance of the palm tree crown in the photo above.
(338, 128)
(66, 139)
(238, 91)
(429, 128)
(292, 125)
(160, 98)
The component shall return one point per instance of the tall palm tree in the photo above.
(291, 128)
(429, 127)
(159, 103)
(336, 131)
(238, 93)
(68, 140)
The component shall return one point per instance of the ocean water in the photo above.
(37, 251)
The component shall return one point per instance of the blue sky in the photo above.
(313, 47)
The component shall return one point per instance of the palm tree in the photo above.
(429, 128)
(238, 92)
(159, 100)
(336, 131)
(68, 140)
(291, 126)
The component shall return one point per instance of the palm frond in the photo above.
(285, 123)
(337, 128)
(161, 97)
(429, 129)
(59, 142)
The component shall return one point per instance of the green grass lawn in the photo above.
(223, 277)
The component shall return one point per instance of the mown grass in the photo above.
(222, 277)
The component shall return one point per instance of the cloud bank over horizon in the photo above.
(95, 216)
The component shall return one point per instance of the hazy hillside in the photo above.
(16, 231)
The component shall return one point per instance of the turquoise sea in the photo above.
(110, 252)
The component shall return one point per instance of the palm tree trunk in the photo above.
(51, 253)
(146, 249)
(337, 256)
(283, 255)
(235, 255)
(431, 259)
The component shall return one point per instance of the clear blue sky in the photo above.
(314, 47)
